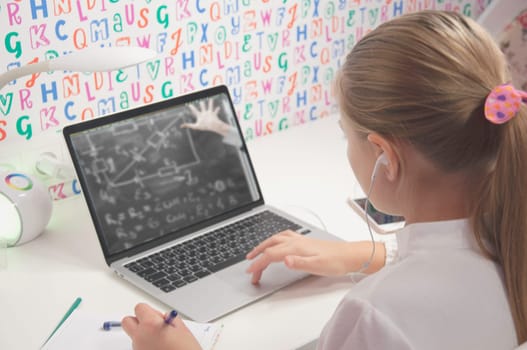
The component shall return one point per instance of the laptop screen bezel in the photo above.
(72, 129)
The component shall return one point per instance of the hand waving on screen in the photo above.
(207, 119)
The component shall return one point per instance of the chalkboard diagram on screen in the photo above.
(148, 176)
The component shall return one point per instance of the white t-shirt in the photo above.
(441, 293)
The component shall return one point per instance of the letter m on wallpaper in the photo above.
(6, 101)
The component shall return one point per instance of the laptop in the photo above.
(176, 209)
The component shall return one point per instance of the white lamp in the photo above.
(25, 204)
(25, 208)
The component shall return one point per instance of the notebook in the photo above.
(176, 209)
(82, 330)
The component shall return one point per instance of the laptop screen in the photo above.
(151, 172)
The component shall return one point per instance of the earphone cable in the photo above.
(366, 205)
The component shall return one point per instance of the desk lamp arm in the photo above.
(87, 60)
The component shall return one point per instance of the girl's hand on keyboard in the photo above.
(315, 256)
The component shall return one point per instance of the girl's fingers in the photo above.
(311, 264)
(256, 277)
(129, 324)
(145, 312)
(269, 242)
(270, 255)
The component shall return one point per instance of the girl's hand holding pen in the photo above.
(149, 331)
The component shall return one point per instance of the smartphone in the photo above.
(379, 221)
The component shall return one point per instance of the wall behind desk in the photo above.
(277, 57)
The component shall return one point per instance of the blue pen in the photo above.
(170, 317)
(109, 324)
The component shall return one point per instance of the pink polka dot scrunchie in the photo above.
(503, 103)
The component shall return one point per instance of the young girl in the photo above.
(427, 93)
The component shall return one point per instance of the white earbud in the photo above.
(382, 159)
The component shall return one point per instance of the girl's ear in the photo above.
(382, 145)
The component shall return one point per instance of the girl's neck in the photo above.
(438, 197)
(429, 207)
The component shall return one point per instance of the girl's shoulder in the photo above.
(430, 294)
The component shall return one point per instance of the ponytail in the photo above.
(500, 216)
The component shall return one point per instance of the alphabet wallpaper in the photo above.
(278, 59)
(513, 43)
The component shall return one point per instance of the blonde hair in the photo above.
(423, 78)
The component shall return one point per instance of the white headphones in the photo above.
(382, 159)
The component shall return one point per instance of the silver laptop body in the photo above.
(153, 187)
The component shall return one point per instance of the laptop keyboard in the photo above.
(185, 263)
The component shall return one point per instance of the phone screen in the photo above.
(379, 217)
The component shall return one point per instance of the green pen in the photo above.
(65, 317)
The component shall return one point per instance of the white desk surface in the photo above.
(301, 170)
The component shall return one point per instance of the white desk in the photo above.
(303, 167)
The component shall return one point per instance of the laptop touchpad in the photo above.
(275, 276)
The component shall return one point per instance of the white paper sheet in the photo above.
(83, 331)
